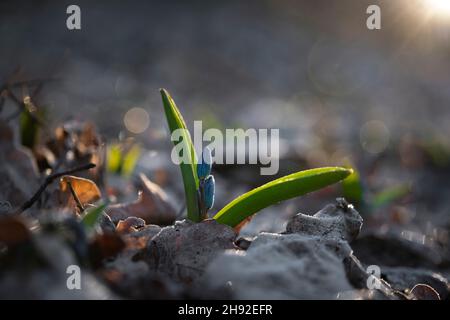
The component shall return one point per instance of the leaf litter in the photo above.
(55, 211)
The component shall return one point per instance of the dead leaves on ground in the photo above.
(72, 144)
(152, 205)
(52, 233)
(74, 189)
(67, 198)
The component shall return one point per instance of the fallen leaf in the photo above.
(92, 216)
(130, 224)
(424, 292)
(85, 189)
(152, 205)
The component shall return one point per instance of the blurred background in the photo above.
(339, 93)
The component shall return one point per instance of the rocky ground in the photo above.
(143, 248)
(139, 251)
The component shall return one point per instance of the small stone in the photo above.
(278, 266)
(244, 242)
(392, 250)
(335, 221)
(184, 250)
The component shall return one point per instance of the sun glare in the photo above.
(439, 6)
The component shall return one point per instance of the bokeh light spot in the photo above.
(136, 120)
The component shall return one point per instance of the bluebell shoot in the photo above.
(205, 164)
(208, 192)
(206, 183)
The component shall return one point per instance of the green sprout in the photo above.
(188, 170)
(122, 159)
(206, 187)
(199, 183)
(389, 195)
(92, 216)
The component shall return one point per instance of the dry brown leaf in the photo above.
(152, 205)
(130, 224)
(424, 292)
(85, 189)
(13, 230)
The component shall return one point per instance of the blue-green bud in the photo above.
(208, 192)
(205, 164)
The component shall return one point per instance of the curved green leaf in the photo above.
(188, 170)
(130, 160)
(92, 216)
(284, 188)
(114, 158)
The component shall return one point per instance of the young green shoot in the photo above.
(290, 186)
(199, 183)
(188, 170)
(92, 216)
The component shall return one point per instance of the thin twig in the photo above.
(48, 180)
(75, 197)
